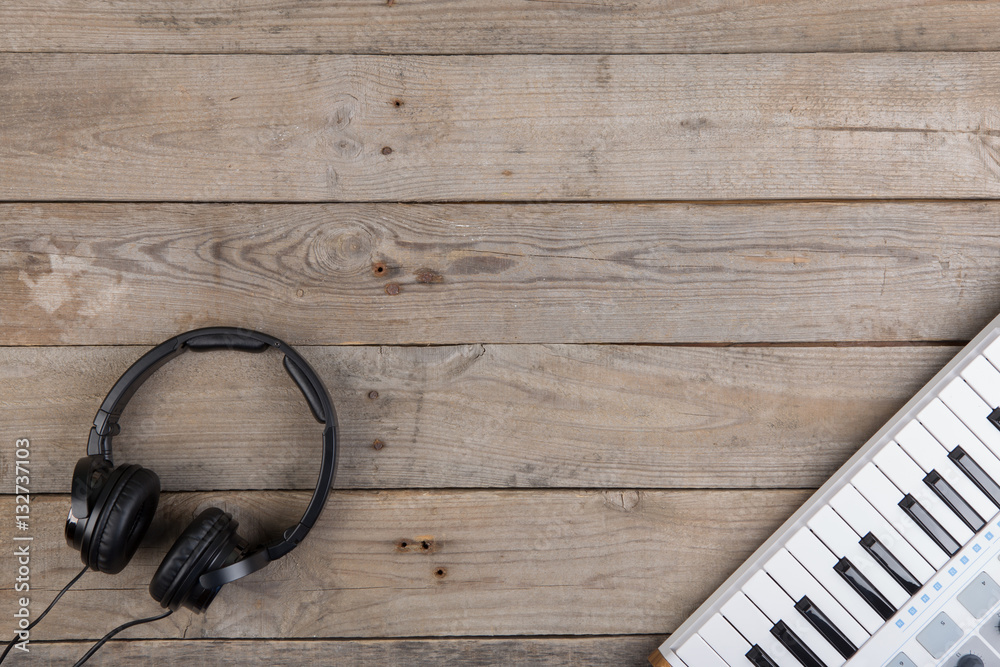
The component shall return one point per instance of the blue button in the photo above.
(976, 548)
(937, 586)
(913, 611)
(899, 623)
(989, 536)
(952, 571)
(925, 598)
(965, 560)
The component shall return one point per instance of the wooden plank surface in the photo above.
(428, 563)
(470, 216)
(472, 416)
(623, 651)
(610, 273)
(472, 128)
(498, 26)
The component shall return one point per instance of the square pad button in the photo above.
(901, 660)
(980, 596)
(940, 635)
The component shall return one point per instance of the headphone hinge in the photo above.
(103, 421)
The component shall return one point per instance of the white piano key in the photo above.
(815, 557)
(725, 640)
(984, 379)
(909, 478)
(862, 517)
(696, 652)
(885, 497)
(928, 454)
(797, 582)
(843, 542)
(951, 432)
(777, 606)
(756, 629)
(675, 661)
(992, 352)
(970, 408)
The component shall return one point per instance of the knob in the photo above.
(970, 661)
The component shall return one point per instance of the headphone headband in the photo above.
(231, 338)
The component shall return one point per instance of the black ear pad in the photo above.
(203, 543)
(122, 515)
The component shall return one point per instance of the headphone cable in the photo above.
(3, 656)
(123, 626)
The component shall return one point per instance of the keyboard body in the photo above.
(894, 562)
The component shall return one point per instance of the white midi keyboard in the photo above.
(894, 562)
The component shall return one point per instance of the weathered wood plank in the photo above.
(626, 651)
(471, 416)
(495, 563)
(546, 273)
(381, 128)
(499, 26)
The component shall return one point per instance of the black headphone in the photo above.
(113, 507)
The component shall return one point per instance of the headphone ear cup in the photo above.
(205, 544)
(122, 516)
(90, 476)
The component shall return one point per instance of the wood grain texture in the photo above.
(538, 273)
(471, 416)
(626, 651)
(495, 563)
(498, 128)
(498, 26)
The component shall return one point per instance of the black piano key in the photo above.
(994, 418)
(929, 525)
(826, 627)
(864, 588)
(890, 563)
(978, 476)
(795, 645)
(758, 658)
(947, 493)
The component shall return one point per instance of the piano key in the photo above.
(863, 586)
(758, 658)
(930, 526)
(796, 581)
(888, 561)
(884, 496)
(843, 542)
(819, 561)
(780, 608)
(825, 627)
(992, 352)
(932, 455)
(862, 517)
(719, 634)
(981, 375)
(970, 466)
(755, 627)
(951, 433)
(795, 645)
(972, 411)
(994, 418)
(909, 477)
(696, 652)
(952, 499)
